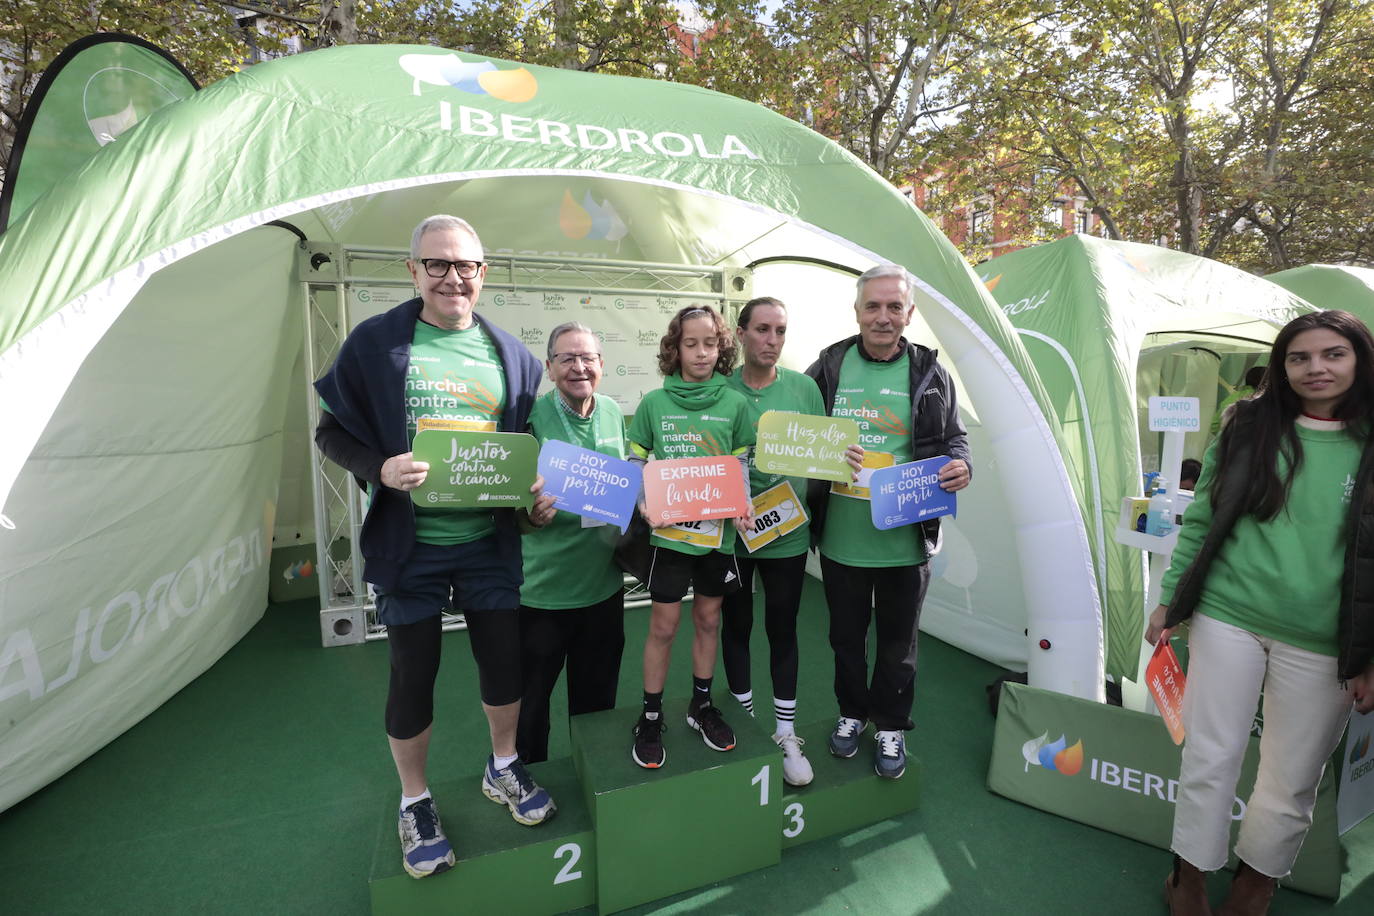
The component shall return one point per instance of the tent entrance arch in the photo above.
(625, 302)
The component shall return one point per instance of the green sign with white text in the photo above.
(799, 445)
(470, 470)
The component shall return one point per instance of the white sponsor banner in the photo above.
(1355, 798)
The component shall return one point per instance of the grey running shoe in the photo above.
(512, 786)
(889, 761)
(844, 740)
(424, 848)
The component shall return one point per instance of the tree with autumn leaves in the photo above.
(1235, 129)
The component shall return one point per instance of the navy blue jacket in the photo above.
(365, 391)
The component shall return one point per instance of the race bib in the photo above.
(703, 533)
(467, 426)
(860, 488)
(777, 511)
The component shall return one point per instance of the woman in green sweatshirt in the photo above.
(1266, 567)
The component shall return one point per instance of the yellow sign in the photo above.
(777, 511)
(704, 533)
(859, 489)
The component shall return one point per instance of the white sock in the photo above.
(501, 763)
(786, 712)
(408, 800)
(746, 700)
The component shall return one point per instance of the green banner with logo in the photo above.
(1117, 769)
(96, 90)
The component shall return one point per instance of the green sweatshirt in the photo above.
(789, 392)
(1281, 578)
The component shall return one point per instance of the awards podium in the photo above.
(625, 835)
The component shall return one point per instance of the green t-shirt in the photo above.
(453, 375)
(794, 393)
(1280, 578)
(567, 565)
(877, 396)
(667, 429)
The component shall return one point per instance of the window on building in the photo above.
(1082, 220)
(980, 218)
(1054, 214)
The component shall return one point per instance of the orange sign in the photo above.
(1165, 678)
(689, 489)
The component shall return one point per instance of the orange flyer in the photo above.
(691, 489)
(1165, 678)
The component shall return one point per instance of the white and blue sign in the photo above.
(905, 494)
(1168, 415)
(590, 484)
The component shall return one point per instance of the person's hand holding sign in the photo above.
(400, 472)
(954, 476)
(854, 454)
(542, 512)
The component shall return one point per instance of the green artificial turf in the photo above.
(255, 789)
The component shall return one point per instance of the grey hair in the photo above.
(569, 327)
(883, 270)
(438, 223)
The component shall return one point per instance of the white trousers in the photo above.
(1305, 712)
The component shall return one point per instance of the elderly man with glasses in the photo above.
(433, 357)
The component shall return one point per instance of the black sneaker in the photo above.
(648, 747)
(714, 732)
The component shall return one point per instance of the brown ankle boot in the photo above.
(1250, 893)
(1186, 890)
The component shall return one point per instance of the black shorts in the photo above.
(672, 573)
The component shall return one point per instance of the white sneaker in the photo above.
(796, 769)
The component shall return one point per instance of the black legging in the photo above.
(782, 579)
(494, 637)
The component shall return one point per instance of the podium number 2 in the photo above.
(761, 780)
(566, 873)
(794, 811)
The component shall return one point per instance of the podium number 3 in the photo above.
(794, 811)
(566, 873)
(761, 780)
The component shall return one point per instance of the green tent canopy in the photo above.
(1332, 286)
(154, 387)
(1107, 324)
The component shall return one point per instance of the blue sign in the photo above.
(590, 484)
(905, 494)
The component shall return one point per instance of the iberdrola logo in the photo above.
(1359, 749)
(479, 78)
(590, 220)
(1055, 755)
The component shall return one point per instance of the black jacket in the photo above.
(366, 424)
(935, 425)
(1355, 630)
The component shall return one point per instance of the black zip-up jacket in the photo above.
(935, 425)
(1355, 629)
(366, 424)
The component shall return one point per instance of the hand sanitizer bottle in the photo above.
(1159, 519)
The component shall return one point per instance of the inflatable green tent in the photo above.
(166, 301)
(1332, 286)
(1107, 324)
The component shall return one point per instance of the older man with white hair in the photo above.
(904, 403)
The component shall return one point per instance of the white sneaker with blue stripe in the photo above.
(512, 786)
(424, 848)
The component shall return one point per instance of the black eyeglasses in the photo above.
(438, 268)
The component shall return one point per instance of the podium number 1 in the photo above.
(761, 780)
(566, 873)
